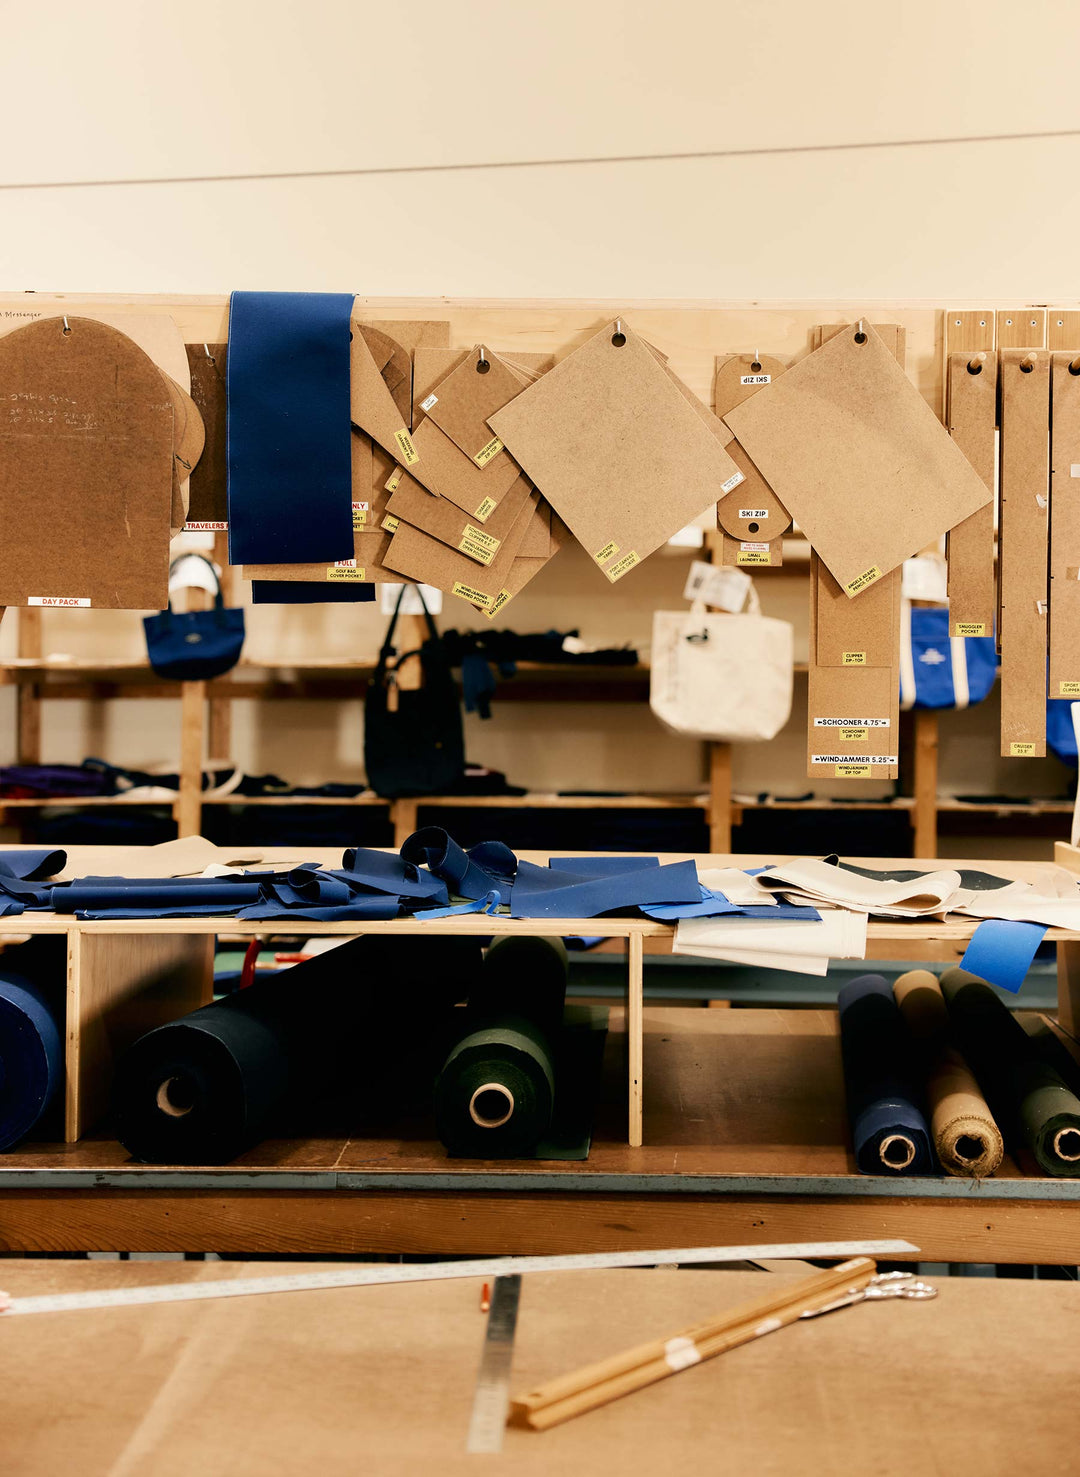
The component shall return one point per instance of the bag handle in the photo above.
(751, 602)
(387, 647)
(219, 598)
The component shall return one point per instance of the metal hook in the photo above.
(860, 331)
(884, 1285)
(208, 353)
(67, 325)
(618, 325)
(482, 365)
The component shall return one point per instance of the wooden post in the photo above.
(219, 732)
(720, 799)
(188, 810)
(28, 694)
(403, 819)
(635, 1000)
(924, 815)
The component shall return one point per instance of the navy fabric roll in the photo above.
(31, 1034)
(888, 1126)
(303, 592)
(162, 895)
(288, 428)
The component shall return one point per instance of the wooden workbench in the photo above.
(742, 1134)
(381, 1380)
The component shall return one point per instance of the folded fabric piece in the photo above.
(969, 880)
(473, 874)
(362, 906)
(156, 894)
(303, 592)
(738, 887)
(888, 1129)
(1002, 951)
(1027, 1096)
(967, 1140)
(804, 948)
(1023, 904)
(28, 781)
(31, 865)
(543, 892)
(288, 429)
(383, 871)
(715, 905)
(926, 895)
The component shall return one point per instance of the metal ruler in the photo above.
(491, 1403)
(490, 1267)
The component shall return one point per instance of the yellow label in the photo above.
(868, 577)
(1069, 689)
(474, 597)
(500, 600)
(622, 566)
(853, 658)
(1021, 751)
(607, 552)
(752, 556)
(850, 735)
(969, 628)
(409, 454)
(393, 480)
(485, 510)
(485, 454)
(359, 516)
(351, 576)
(390, 523)
(854, 772)
(478, 544)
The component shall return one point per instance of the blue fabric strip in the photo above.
(462, 871)
(288, 428)
(488, 904)
(563, 895)
(99, 894)
(32, 866)
(601, 866)
(1001, 951)
(383, 871)
(308, 592)
(364, 906)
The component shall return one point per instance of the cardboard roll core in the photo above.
(1067, 1144)
(491, 1105)
(897, 1151)
(970, 1148)
(175, 1097)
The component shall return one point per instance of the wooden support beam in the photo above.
(188, 808)
(924, 817)
(719, 797)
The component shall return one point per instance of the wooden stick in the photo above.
(621, 1374)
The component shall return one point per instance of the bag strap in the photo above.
(387, 647)
(219, 598)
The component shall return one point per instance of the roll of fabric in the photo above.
(495, 1095)
(204, 1088)
(966, 1137)
(526, 975)
(31, 1034)
(1029, 1099)
(888, 1127)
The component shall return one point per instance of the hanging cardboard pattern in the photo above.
(1022, 544)
(971, 388)
(207, 507)
(752, 515)
(1065, 525)
(86, 469)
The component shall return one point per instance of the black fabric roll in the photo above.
(204, 1088)
(1026, 1093)
(527, 976)
(33, 981)
(888, 1126)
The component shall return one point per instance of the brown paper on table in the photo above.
(464, 400)
(444, 520)
(86, 466)
(417, 556)
(857, 457)
(617, 450)
(370, 541)
(969, 547)
(208, 510)
(752, 514)
(1064, 529)
(1022, 544)
(965, 1133)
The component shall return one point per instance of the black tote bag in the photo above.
(413, 740)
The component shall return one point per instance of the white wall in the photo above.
(129, 90)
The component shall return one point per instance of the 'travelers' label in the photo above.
(200, 526)
(50, 600)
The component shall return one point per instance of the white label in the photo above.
(344, 563)
(1074, 470)
(717, 584)
(849, 759)
(1040, 606)
(760, 548)
(200, 527)
(851, 722)
(56, 600)
(680, 1353)
(431, 400)
(755, 379)
(732, 482)
(361, 507)
(753, 512)
(1042, 500)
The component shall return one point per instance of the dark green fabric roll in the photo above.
(496, 1092)
(526, 976)
(1027, 1096)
